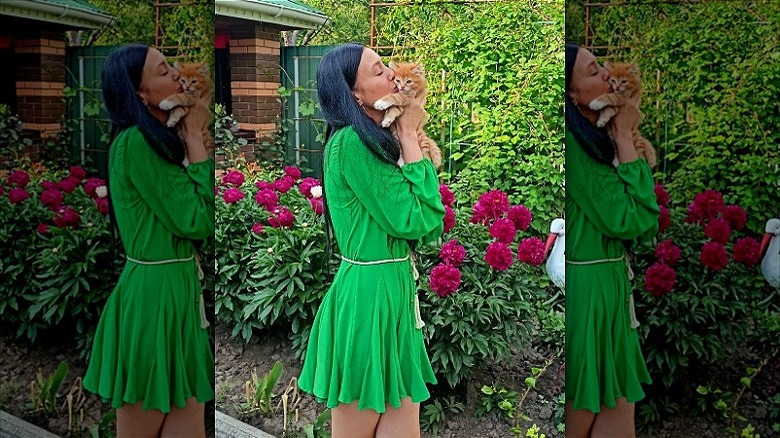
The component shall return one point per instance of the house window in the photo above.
(222, 72)
(7, 73)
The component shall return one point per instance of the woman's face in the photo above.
(158, 80)
(373, 81)
(589, 80)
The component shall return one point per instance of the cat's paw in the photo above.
(386, 123)
(597, 104)
(382, 104)
(167, 104)
(171, 122)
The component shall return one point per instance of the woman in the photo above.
(610, 202)
(366, 357)
(151, 357)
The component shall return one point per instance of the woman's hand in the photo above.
(622, 127)
(192, 127)
(406, 125)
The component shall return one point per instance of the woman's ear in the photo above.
(357, 98)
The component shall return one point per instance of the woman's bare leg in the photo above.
(401, 422)
(578, 422)
(615, 422)
(187, 421)
(134, 422)
(349, 422)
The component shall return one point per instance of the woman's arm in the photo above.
(622, 126)
(406, 125)
(192, 132)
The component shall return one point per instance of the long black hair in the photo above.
(594, 140)
(121, 77)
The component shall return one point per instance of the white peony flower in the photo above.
(316, 192)
(101, 191)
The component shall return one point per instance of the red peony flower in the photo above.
(445, 279)
(66, 217)
(2, 190)
(478, 214)
(503, 230)
(664, 219)
(306, 185)
(233, 178)
(281, 217)
(714, 256)
(102, 205)
(216, 190)
(449, 218)
(659, 279)
(43, 228)
(709, 204)
(667, 252)
(718, 230)
(317, 205)
(51, 198)
(48, 185)
(521, 216)
(531, 251)
(293, 172)
(661, 195)
(17, 195)
(18, 178)
(78, 173)
(499, 256)
(69, 184)
(695, 213)
(232, 195)
(747, 251)
(495, 203)
(267, 198)
(284, 184)
(264, 185)
(258, 228)
(447, 197)
(91, 186)
(452, 254)
(736, 216)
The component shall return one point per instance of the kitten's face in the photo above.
(623, 77)
(193, 77)
(409, 77)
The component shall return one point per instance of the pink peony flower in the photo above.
(661, 195)
(43, 228)
(51, 198)
(667, 252)
(736, 216)
(499, 256)
(306, 185)
(293, 172)
(281, 217)
(232, 195)
(478, 214)
(452, 254)
(18, 178)
(284, 184)
(495, 203)
(447, 197)
(718, 230)
(258, 228)
(444, 279)
(664, 219)
(233, 178)
(17, 195)
(78, 173)
(747, 251)
(69, 184)
(91, 186)
(714, 256)
(48, 185)
(659, 279)
(66, 217)
(102, 205)
(317, 205)
(267, 198)
(706, 205)
(216, 190)
(449, 218)
(531, 251)
(264, 185)
(503, 230)
(521, 216)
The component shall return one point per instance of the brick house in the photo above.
(247, 56)
(32, 56)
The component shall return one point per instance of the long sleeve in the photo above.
(620, 202)
(405, 202)
(183, 200)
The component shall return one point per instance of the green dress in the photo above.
(150, 342)
(606, 207)
(364, 344)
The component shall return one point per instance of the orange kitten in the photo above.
(412, 86)
(196, 90)
(626, 86)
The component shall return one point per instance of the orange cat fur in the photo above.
(412, 86)
(196, 90)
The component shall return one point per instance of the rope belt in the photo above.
(418, 322)
(632, 309)
(204, 322)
